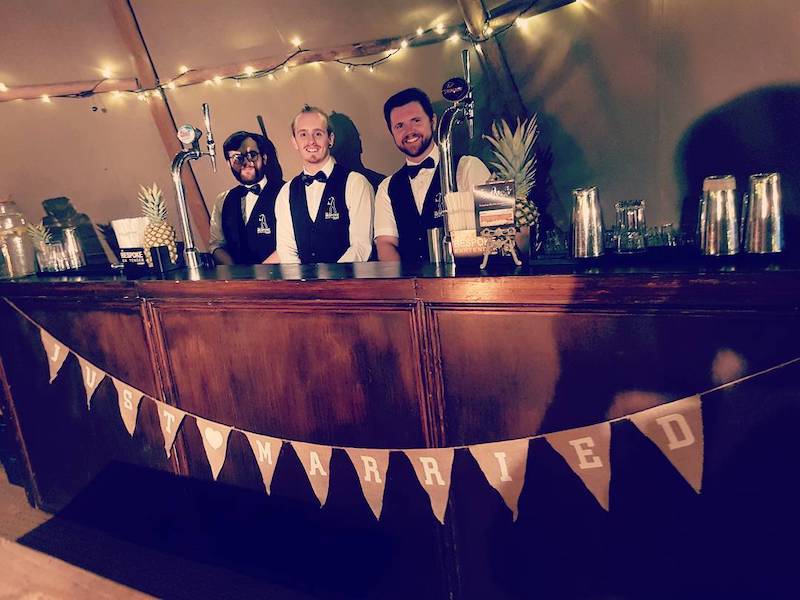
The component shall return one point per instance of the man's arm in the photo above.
(285, 242)
(222, 257)
(388, 247)
(387, 238)
(216, 238)
(272, 259)
(359, 199)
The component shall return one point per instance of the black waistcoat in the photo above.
(326, 238)
(412, 226)
(251, 243)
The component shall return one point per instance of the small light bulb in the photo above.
(285, 68)
(217, 80)
(3, 87)
(271, 77)
(183, 69)
(107, 74)
(207, 82)
(46, 99)
(116, 94)
(296, 41)
(420, 31)
(248, 70)
(238, 83)
(140, 96)
(439, 28)
(404, 44)
(518, 22)
(453, 38)
(171, 85)
(372, 68)
(348, 68)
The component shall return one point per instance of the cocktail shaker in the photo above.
(718, 222)
(762, 216)
(587, 224)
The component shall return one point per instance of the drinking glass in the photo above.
(631, 226)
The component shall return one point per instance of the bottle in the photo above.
(16, 245)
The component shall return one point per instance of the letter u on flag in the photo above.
(56, 353)
(316, 462)
(677, 429)
(433, 467)
(503, 464)
(92, 376)
(587, 452)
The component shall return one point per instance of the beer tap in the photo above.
(457, 90)
(189, 136)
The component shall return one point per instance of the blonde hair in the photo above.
(313, 109)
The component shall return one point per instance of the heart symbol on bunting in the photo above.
(213, 437)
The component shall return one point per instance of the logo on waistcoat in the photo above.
(330, 210)
(438, 213)
(263, 228)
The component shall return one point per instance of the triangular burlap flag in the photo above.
(170, 419)
(129, 399)
(316, 461)
(92, 376)
(215, 441)
(587, 452)
(677, 429)
(56, 353)
(503, 464)
(266, 450)
(371, 466)
(433, 467)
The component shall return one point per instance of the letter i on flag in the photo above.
(503, 464)
(56, 353)
(677, 429)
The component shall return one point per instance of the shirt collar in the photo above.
(327, 168)
(434, 154)
(262, 182)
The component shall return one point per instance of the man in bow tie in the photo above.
(243, 219)
(324, 214)
(407, 203)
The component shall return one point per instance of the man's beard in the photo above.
(423, 147)
(256, 177)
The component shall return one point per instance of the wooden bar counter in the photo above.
(374, 356)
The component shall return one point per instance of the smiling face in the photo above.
(412, 129)
(246, 163)
(312, 140)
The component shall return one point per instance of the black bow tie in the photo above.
(413, 170)
(253, 189)
(309, 179)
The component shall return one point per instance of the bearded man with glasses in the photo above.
(243, 228)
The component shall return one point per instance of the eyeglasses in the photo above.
(241, 159)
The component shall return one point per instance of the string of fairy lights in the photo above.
(422, 36)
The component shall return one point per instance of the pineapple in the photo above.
(158, 231)
(515, 159)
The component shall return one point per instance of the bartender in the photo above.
(243, 228)
(325, 213)
(407, 203)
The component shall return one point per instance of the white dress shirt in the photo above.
(216, 237)
(358, 197)
(469, 173)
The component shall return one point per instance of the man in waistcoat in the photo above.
(243, 219)
(325, 213)
(407, 203)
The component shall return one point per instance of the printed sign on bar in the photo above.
(587, 452)
(129, 400)
(677, 429)
(433, 467)
(215, 442)
(92, 376)
(266, 450)
(316, 462)
(503, 464)
(56, 353)
(371, 466)
(170, 419)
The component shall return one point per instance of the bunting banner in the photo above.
(56, 353)
(266, 450)
(371, 467)
(503, 464)
(587, 452)
(433, 467)
(129, 399)
(92, 376)
(677, 429)
(316, 462)
(215, 442)
(170, 419)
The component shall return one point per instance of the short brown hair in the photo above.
(313, 109)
